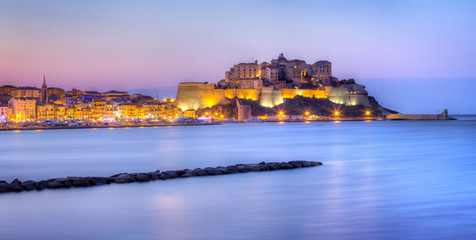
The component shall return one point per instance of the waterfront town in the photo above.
(282, 90)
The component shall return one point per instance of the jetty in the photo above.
(441, 116)
(69, 182)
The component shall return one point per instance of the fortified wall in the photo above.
(341, 96)
(193, 96)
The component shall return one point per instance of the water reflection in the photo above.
(380, 180)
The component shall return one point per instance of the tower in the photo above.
(44, 92)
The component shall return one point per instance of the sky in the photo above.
(124, 45)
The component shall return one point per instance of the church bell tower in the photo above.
(44, 92)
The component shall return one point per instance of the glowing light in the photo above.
(367, 113)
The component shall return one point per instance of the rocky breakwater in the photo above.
(68, 182)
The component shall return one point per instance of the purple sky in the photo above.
(154, 44)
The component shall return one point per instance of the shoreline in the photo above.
(212, 123)
(107, 126)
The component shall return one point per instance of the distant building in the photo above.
(124, 111)
(5, 113)
(272, 74)
(23, 109)
(44, 92)
(27, 92)
(243, 71)
(322, 71)
(244, 111)
(7, 89)
(58, 92)
(45, 112)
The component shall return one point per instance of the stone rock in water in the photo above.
(99, 180)
(5, 187)
(296, 164)
(315, 163)
(154, 175)
(79, 181)
(285, 165)
(54, 185)
(171, 174)
(29, 185)
(123, 178)
(199, 172)
(212, 171)
(142, 177)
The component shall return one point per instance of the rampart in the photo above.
(193, 96)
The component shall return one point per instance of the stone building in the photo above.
(23, 109)
(7, 89)
(5, 113)
(251, 83)
(27, 92)
(322, 71)
(243, 71)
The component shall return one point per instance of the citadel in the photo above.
(272, 83)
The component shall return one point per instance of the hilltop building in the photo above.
(271, 83)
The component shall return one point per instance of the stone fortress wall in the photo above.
(193, 95)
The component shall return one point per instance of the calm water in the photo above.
(380, 180)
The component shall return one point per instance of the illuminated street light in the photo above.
(336, 113)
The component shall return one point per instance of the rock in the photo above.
(54, 185)
(182, 172)
(41, 185)
(243, 169)
(232, 169)
(264, 167)
(164, 176)
(15, 182)
(296, 164)
(5, 187)
(29, 185)
(223, 170)
(254, 167)
(154, 175)
(315, 163)
(18, 188)
(142, 177)
(273, 166)
(80, 181)
(306, 164)
(63, 181)
(172, 174)
(188, 174)
(285, 165)
(123, 178)
(99, 180)
(199, 172)
(212, 171)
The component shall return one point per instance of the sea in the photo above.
(379, 180)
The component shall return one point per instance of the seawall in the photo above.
(441, 116)
(68, 182)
